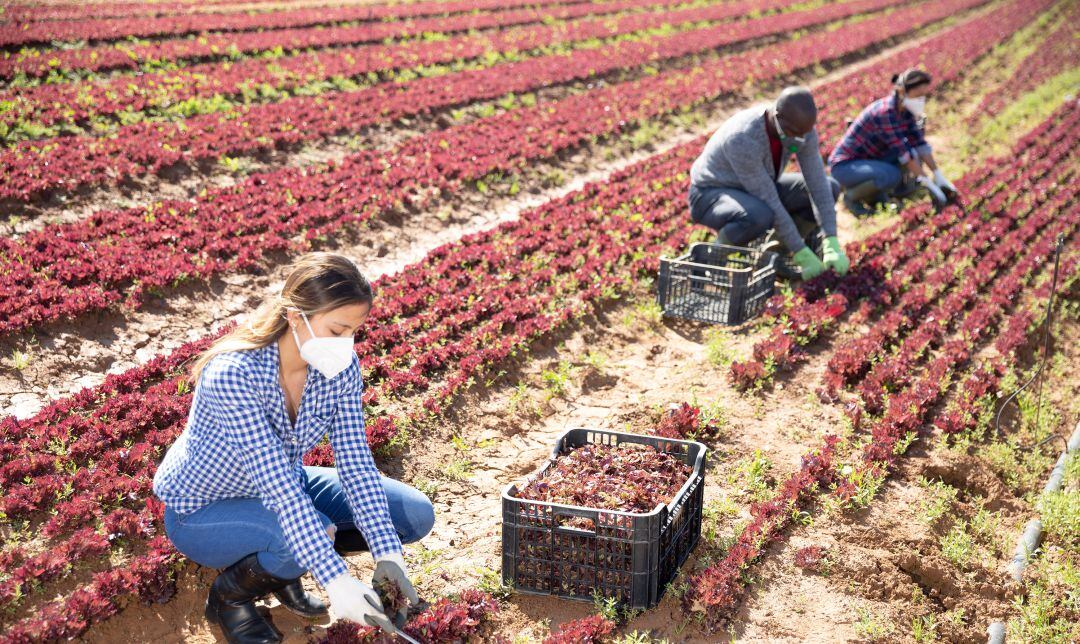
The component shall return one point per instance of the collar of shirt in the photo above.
(893, 103)
(775, 145)
(316, 402)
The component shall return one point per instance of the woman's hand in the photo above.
(946, 186)
(392, 568)
(354, 600)
(936, 194)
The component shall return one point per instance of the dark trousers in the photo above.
(742, 216)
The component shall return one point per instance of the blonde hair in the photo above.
(317, 282)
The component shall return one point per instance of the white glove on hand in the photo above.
(942, 182)
(935, 192)
(356, 601)
(391, 567)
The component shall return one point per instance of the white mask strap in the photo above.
(293, 329)
(310, 330)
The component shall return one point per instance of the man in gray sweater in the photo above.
(737, 188)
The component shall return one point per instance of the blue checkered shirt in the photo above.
(882, 129)
(239, 442)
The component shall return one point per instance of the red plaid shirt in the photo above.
(882, 130)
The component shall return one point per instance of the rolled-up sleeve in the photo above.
(242, 418)
(357, 470)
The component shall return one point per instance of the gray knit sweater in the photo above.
(738, 156)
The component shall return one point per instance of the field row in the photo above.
(48, 274)
(43, 11)
(70, 163)
(39, 108)
(122, 55)
(21, 33)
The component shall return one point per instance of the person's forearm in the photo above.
(822, 199)
(914, 167)
(928, 158)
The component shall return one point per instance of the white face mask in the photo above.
(330, 355)
(915, 105)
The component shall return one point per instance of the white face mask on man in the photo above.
(915, 105)
(330, 355)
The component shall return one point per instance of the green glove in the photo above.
(833, 256)
(809, 263)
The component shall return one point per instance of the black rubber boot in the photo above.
(860, 199)
(293, 596)
(908, 187)
(231, 602)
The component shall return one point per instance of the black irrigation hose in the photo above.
(1045, 356)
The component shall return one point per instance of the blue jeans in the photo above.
(742, 216)
(885, 173)
(224, 532)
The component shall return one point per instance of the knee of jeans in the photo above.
(748, 228)
(278, 560)
(695, 211)
(419, 520)
(888, 179)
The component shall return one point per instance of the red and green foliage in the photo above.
(593, 629)
(628, 477)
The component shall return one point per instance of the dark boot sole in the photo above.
(212, 618)
(299, 613)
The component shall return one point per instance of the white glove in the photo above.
(356, 601)
(391, 567)
(395, 557)
(942, 182)
(935, 192)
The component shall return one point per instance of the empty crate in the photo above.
(716, 283)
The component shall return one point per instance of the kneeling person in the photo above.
(738, 189)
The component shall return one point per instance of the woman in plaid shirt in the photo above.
(886, 136)
(236, 493)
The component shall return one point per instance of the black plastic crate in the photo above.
(627, 556)
(716, 283)
(786, 268)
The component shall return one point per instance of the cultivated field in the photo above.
(509, 173)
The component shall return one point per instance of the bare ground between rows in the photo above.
(888, 564)
(67, 356)
(186, 180)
